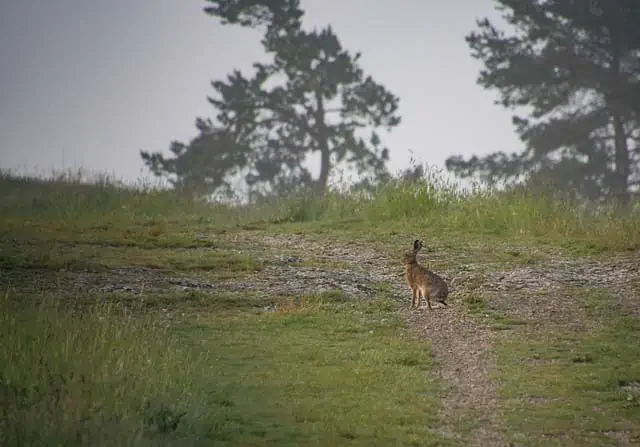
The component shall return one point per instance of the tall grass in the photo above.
(90, 378)
(69, 198)
(429, 202)
(440, 206)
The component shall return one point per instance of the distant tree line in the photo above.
(569, 69)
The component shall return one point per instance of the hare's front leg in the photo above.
(414, 298)
(418, 295)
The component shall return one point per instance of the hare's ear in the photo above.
(417, 245)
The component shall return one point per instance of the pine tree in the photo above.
(574, 65)
(311, 97)
(203, 166)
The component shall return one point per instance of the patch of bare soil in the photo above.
(546, 291)
(134, 280)
(462, 349)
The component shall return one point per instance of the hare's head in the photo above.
(410, 256)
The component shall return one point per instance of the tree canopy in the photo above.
(311, 97)
(204, 165)
(573, 68)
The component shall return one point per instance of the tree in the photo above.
(575, 66)
(311, 97)
(203, 166)
(274, 15)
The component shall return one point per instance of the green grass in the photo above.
(356, 379)
(440, 208)
(494, 318)
(213, 367)
(91, 378)
(323, 371)
(566, 388)
(109, 212)
(82, 257)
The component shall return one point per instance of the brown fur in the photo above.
(422, 281)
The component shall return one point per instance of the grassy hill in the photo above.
(133, 317)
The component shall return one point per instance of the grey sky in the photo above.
(88, 83)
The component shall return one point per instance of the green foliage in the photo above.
(324, 99)
(572, 66)
(256, 13)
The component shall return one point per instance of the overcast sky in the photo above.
(90, 83)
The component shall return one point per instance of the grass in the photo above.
(357, 379)
(83, 257)
(105, 377)
(156, 365)
(566, 388)
(95, 378)
(494, 318)
(151, 217)
(563, 387)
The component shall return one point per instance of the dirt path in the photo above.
(538, 295)
(460, 346)
(462, 351)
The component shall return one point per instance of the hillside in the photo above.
(134, 317)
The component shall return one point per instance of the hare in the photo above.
(423, 282)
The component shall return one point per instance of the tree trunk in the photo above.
(622, 161)
(621, 149)
(325, 168)
(323, 145)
